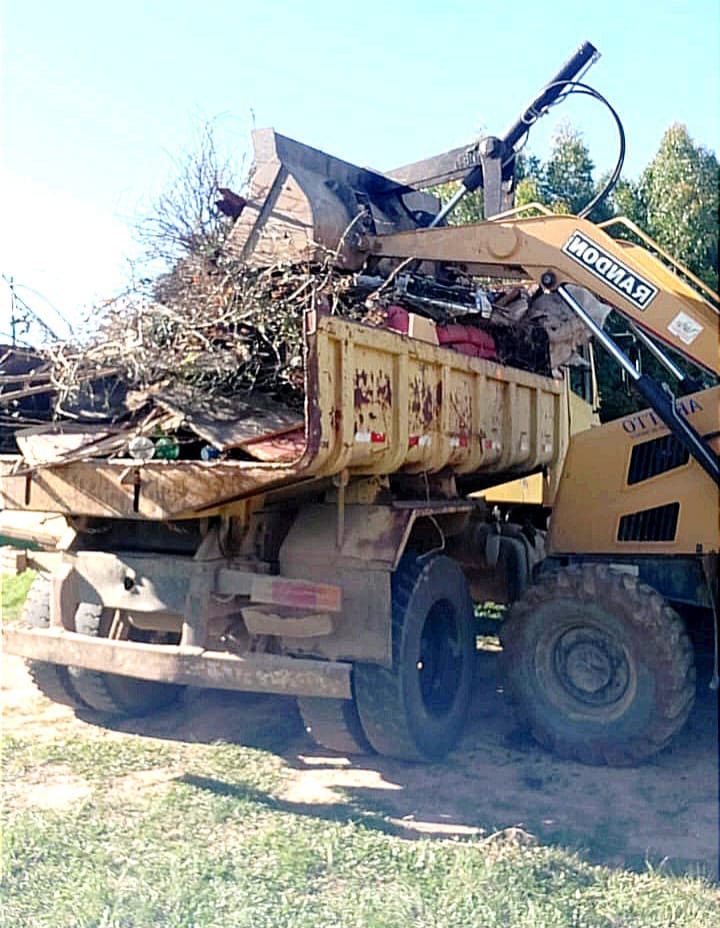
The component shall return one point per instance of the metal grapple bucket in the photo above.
(303, 205)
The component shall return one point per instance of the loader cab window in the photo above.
(583, 381)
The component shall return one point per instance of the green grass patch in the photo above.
(14, 589)
(217, 846)
(171, 834)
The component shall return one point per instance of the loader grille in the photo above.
(656, 457)
(658, 524)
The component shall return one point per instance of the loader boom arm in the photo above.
(554, 250)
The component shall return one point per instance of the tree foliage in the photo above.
(468, 211)
(565, 181)
(676, 202)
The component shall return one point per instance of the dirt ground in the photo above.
(664, 810)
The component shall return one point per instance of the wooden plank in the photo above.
(80, 377)
(283, 447)
(12, 560)
(49, 444)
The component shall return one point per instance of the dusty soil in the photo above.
(665, 809)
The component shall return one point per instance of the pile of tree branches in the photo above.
(211, 325)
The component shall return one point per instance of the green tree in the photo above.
(565, 181)
(677, 202)
(528, 172)
(468, 211)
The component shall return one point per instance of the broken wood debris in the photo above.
(212, 363)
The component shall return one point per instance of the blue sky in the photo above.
(97, 98)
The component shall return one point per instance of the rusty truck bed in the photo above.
(377, 402)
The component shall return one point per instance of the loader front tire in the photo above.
(599, 666)
(111, 694)
(53, 680)
(415, 709)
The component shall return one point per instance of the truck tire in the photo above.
(53, 680)
(334, 724)
(599, 666)
(416, 709)
(111, 694)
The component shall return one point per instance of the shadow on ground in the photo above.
(665, 810)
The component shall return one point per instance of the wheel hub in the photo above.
(591, 666)
(440, 662)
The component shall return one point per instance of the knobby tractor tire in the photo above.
(599, 665)
(415, 710)
(112, 694)
(334, 724)
(53, 680)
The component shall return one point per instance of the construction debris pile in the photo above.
(215, 358)
(210, 362)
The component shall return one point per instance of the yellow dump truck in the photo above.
(326, 577)
(346, 575)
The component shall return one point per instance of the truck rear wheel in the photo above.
(108, 693)
(599, 665)
(334, 724)
(416, 709)
(53, 680)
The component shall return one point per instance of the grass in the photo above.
(171, 834)
(216, 847)
(14, 590)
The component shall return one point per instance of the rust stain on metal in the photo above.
(428, 407)
(415, 404)
(460, 404)
(384, 393)
(363, 393)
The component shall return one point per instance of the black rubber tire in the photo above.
(416, 709)
(334, 724)
(53, 680)
(112, 694)
(599, 665)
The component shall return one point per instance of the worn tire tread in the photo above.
(334, 724)
(379, 692)
(53, 680)
(101, 691)
(662, 629)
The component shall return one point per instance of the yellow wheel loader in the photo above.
(346, 574)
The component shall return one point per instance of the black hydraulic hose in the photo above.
(587, 90)
(503, 146)
(549, 94)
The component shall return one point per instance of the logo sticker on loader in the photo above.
(685, 328)
(608, 269)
